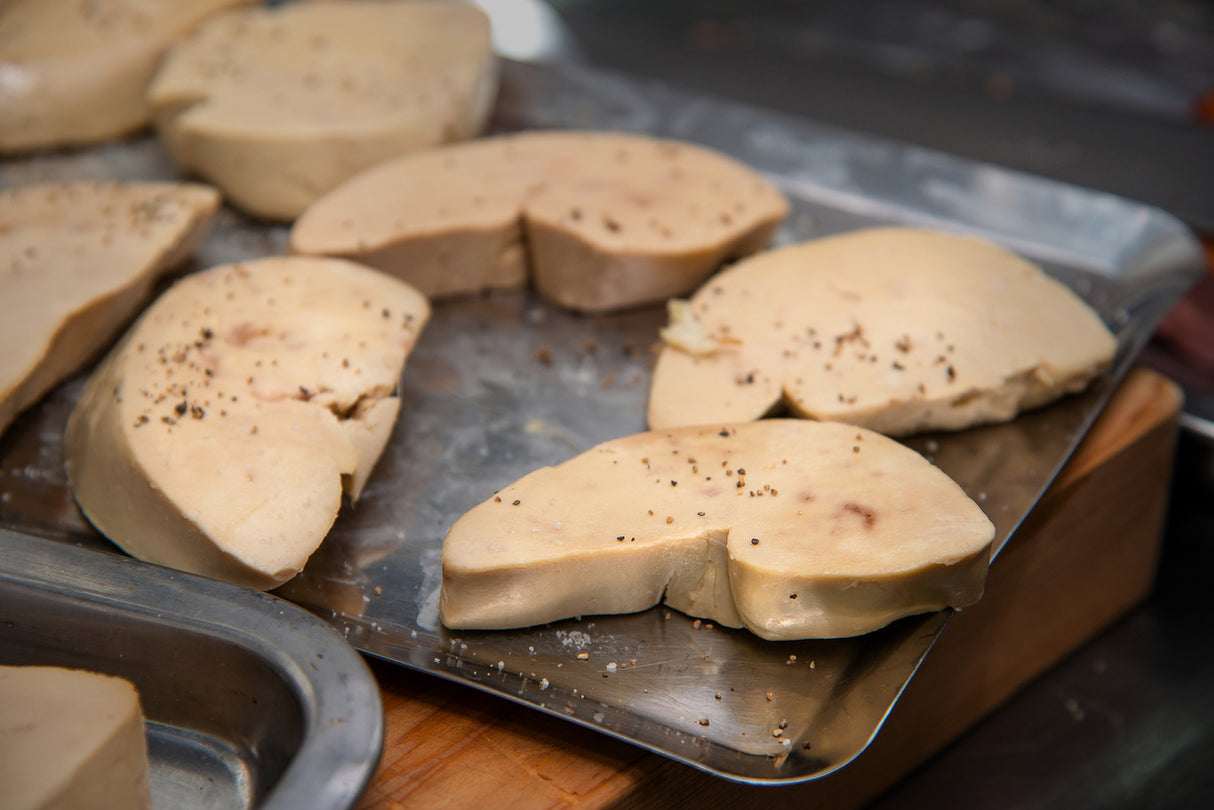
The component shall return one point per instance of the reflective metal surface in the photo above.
(249, 701)
(499, 385)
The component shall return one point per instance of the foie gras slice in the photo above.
(70, 738)
(895, 329)
(77, 260)
(278, 105)
(790, 528)
(600, 221)
(216, 437)
(74, 73)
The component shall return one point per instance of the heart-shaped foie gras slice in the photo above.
(216, 437)
(600, 221)
(896, 329)
(793, 529)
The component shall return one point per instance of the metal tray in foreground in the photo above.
(249, 701)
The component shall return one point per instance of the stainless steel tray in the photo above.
(502, 384)
(249, 701)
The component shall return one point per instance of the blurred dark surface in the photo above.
(1106, 95)
(1115, 96)
(1128, 720)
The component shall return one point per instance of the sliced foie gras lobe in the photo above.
(793, 529)
(74, 73)
(278, 105)
(71, 740)
(77, 260)
(216, 437)
(601, 221)
(895, 329)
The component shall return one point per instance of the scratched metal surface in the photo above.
(502, 384)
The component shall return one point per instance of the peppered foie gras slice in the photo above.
(219, 433)
(790, 528)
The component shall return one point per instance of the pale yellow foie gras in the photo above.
(217, 436)
(790, 528)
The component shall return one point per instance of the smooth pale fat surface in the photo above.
(278, 105)
(216, 437)
(599, 220)
(793, 529)
(76, 262)
(75, 72)
(71, 740)
(895, 329)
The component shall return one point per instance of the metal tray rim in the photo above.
(340, 699)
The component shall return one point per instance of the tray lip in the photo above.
(450, 675)
(343, 719)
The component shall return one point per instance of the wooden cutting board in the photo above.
(1084, 557)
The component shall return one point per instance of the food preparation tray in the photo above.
(249, 701)
(501, 384)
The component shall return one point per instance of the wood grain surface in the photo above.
(1084, 557)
